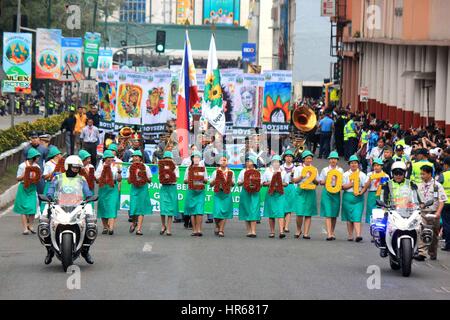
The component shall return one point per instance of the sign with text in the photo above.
(249, 52)
(17, 48)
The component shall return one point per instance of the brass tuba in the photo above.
(304, 119)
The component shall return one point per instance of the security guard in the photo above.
(27, 105)
(430, 190)
(51, 107)
(445, 181)
(421, 160)
(350, 138)
(37, 105)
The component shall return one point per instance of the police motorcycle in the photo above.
(395, 228)
(68, 225)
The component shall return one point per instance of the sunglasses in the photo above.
(398, 173)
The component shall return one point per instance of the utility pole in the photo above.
(47, 82)
(106, 23)
(126, 40)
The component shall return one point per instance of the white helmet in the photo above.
(74, 161)
(398, 165)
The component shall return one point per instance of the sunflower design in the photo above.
(220, 12)
(216, 92)
(212, 13)
(209, 79)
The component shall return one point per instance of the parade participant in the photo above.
(194, 206)
(139, 175)
(26, 201)
(375, 180)
(306, 206)
(430, 190)
(222, 180)
(421, 160)
(168, 175)
(71, 178)
(289, 191)
(353, 199)
(35, 143)
(88, 170)
(377, 152)
(108, 176)
(276, 179)
(54, 157)
(400, 153)
(330, 202)
(136, 144)
(249, 202)
(445, 181)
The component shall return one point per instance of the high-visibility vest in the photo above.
(37, 103)
(446, 185)
(17, 105)
(348, 130)
(416, 166)
(364, 137)
(28, 103)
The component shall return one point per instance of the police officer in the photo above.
(421, 160)
(430, 190)
(445, 181)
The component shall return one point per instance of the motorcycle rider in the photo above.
(390, 193)
(72, 165)
(430, 190)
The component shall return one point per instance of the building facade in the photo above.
(398, 53)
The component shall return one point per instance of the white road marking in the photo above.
(9, 210)
(148, 247)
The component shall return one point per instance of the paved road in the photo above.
(235, 267)
(5, 121)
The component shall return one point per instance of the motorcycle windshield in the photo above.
(405, 201)
(69, 194)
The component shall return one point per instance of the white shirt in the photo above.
(49, 167)
(375, 153)
(268, 175)
(22, 166)
(242, 176)
(147, 171)
(298, 173)
(186, 173)
(362, 180)
(114, 169)
(323, 174)
(213, 175)
(374, 183)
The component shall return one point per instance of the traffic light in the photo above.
(160, 41)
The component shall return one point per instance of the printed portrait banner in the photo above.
(105, 59)
(185, 12)
(17, 50)
(107, 92)
(48, 53)
(225, 12)
(155, 186)
(276, 113)
(91, 49)
(130, 98)
(71, 49)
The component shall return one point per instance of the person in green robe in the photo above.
(249, 203)
(53, 157)
(306, 206)
(140, 204)
(168, 201)
(353, 198)
(274, 203)
(290, 190)
(26, 201)
(330, 203)
(375, 179)
(223, 202)
(108, 196)
(194, 205)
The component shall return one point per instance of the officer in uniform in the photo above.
(421, 160)
(350, 138)
(445, 181)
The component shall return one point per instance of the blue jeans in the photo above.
(325, 144)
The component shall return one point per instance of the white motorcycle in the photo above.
(67, 226)
(396, 229)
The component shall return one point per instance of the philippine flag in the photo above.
(187, 98)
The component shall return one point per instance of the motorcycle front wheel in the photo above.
(66, 250)
(406, 255)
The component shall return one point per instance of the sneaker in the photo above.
(419, 257)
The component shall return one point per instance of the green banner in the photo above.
(155, 186)
(92, 43)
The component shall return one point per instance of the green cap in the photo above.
(113, 147)
(288, 153)
(72, 108)
(108, 154)
(168, 154)
(53, 152)
(83, 154)
(196, 153)
(333, 155)
(32, 153)
(353, 158)
(276, 158)
(378, 161)
(137, 153)
(307, 153)
(253, 159)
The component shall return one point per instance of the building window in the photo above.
(133, 11)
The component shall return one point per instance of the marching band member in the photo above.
(108, 175)
(139, 175)
(373, 184)
(168, 194)
(194, 205)
(330, 203)
(276, 179)
(289, 190)
(26, 202)
(307, 199)
(223, 201)
(249, 203)
(353, 199)
(53, 157)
